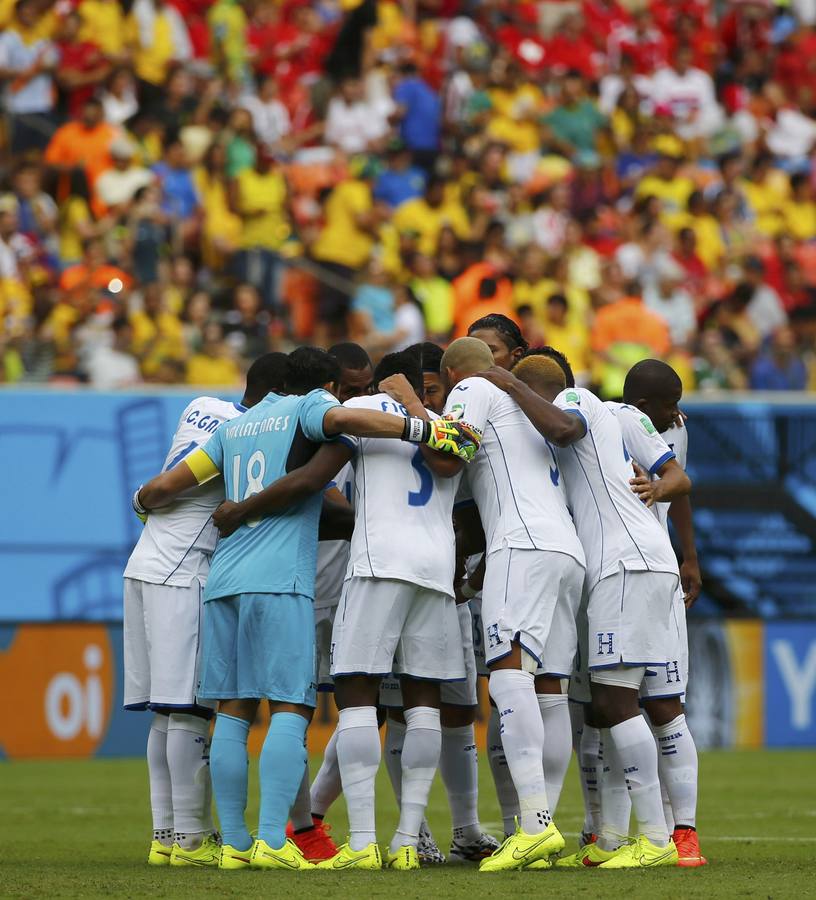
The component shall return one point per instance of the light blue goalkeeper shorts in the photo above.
(259, 646)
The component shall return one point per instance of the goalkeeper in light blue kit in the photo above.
(258, 634)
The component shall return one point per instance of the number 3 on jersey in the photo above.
(255, 471)
(423, 495)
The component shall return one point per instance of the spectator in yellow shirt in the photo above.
(800, 210)
(344, 246)
(427, 215)
(157, 333)
(158, 36)
(567, 334)
(221, 228)
(766, 192)
(258, 197)
(710, 245)
(666, 184)
(103, 24)
(213, 366)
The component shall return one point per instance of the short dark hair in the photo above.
(506, 328)
(650, 378)
(429, 356)
(267, 373)
(402, 363)
(556, 355)
(309, 368)
(350, 355)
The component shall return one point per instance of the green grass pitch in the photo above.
(81, 829)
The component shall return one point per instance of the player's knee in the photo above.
(457, 716)
(615, 695)
(245, 709)
(548, 684)
(416, 692)
(356, 690)
(663, 710)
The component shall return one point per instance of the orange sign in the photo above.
(60, 681)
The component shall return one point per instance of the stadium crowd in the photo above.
(188, 184)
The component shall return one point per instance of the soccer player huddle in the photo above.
(392, 534)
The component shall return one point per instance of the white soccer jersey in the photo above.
(333, 556)
(403, 527)
(614, 526)
(676, 438)
(514, 478)
(168, 549)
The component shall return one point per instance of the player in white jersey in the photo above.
(458, 761)
(397, 613)
(631, 577)
(163, 585)
(654, 389)
(307, 828)
(534, 569)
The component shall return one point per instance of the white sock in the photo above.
(420, 758)
(459, 768)
(188, 759)
(590, 778)
(394, 739)
(358, 754)
(327, 787)
(301, 811)
(161, 791)
(668, 812)
(522, 732)
(677, 764)
(555, 717)
(637, 753)
(505, 791)
(615, 807)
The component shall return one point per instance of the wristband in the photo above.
(467, 590)
(138, 508)
(416, 431)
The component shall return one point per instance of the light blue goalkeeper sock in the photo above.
(283, 760)
(229, 771)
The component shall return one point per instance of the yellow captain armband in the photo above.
(201, 466)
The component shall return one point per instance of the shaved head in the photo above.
(651, 379)
(656, 389)
(467, 356)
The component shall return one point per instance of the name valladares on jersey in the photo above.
(250, 429)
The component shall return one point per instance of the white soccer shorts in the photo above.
(455, 693)
(162, 631)
(324, 624)
(386, 626)
(524, 593)
(629, 617)
(671, 681)
(478, 636)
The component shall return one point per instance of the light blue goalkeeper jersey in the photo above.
(276, 554)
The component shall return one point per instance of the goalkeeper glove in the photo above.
(445, 435)
(140, 511)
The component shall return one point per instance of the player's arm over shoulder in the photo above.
(198, 467)
(287, 491)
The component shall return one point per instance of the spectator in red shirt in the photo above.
(521, 38)
(571, 49)
(602, 17)
(642, 41)
(82, 66)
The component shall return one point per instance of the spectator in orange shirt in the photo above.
(95, 271)
(479, 290)
(625, 332)
(84, 143)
